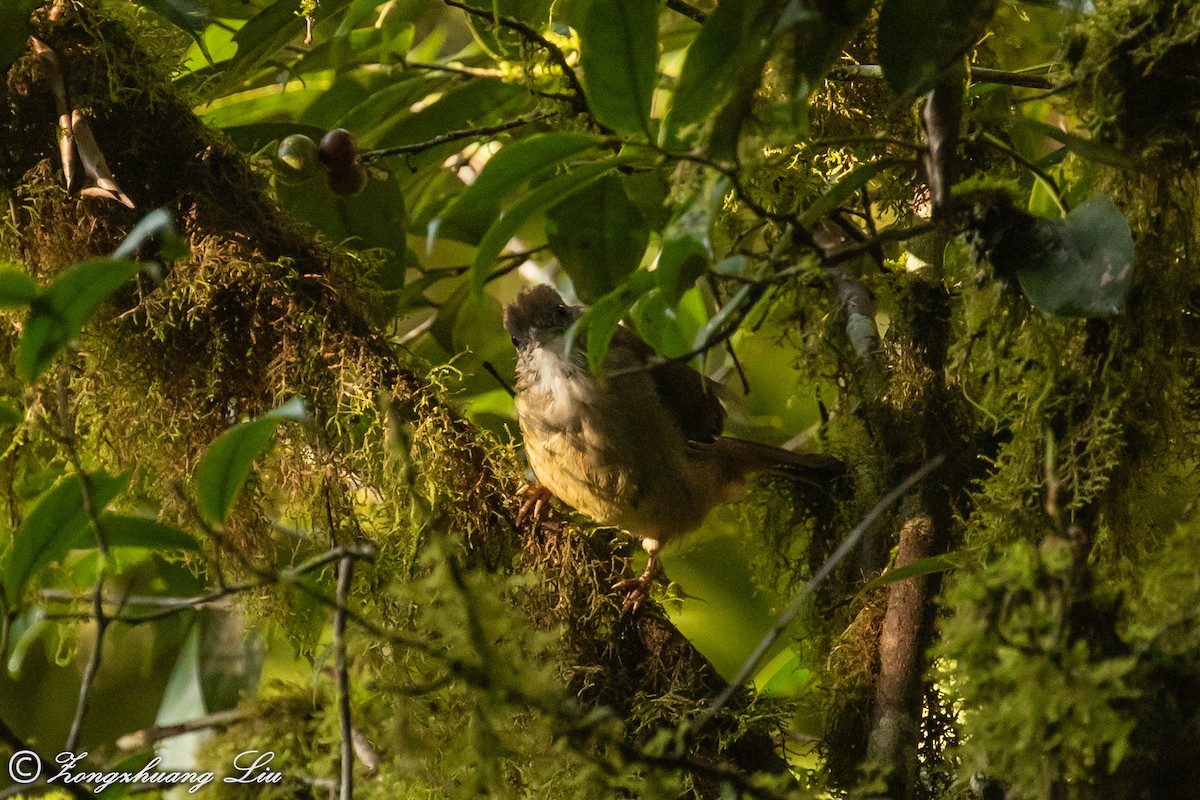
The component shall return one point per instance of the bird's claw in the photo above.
(535, 505)
(638, 591)
(638, 588)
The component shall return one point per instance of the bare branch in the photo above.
(687, 10)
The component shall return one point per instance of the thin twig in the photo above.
(452, 136)
(689, 11)
(978, 75)
(140, 740)
(797, 604)
(345, 571)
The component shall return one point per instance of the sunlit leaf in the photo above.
(843, 189)
(227, 463)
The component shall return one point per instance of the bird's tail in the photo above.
(742, 457)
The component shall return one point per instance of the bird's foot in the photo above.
(638, 589)
(535, 504)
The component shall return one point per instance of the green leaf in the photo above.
(1084, 266)
(17, 287)
(925, 566)
(687, 242)
(844, 188)
(126, 530)
(599, 322)
(618, 51)
(920, 38)
(61, 311)
(157, 225)
(536, 202)
(52, 527)
(477, 208)
(10, 415)
(14, 29)
(598, 235)
(500, 42)
(1088, 149)
(225, 466)
(26, 629)
(728, 53)
(784, 675)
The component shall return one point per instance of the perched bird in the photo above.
(638, 447)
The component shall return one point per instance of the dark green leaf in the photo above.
(229, 659)
(17, 287)
(1084, 266)
(925, 566)
(501, 42)
(14, 29)
(618, 51)
(729, 52)
(920, 38)
(1089, 149)
(10, 415)
(125, 530)
(598, 235)
(482, 101)
(192, 18)
(687, 241)
(225, 466)
(60, 312)
(601, 319)
(536, 202)
(52, 526)
(818, 32)
(474, 211)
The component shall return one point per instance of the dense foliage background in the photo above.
(259, 458)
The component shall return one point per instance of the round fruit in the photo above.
(338, 149)
(348, 181)
(297, 158)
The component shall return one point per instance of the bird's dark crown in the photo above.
(538, 308)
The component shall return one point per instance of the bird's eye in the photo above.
(562, 312)
(516, 342)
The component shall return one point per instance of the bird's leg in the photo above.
(639, 587)
(535, 505)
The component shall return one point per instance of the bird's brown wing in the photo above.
(688, 396)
